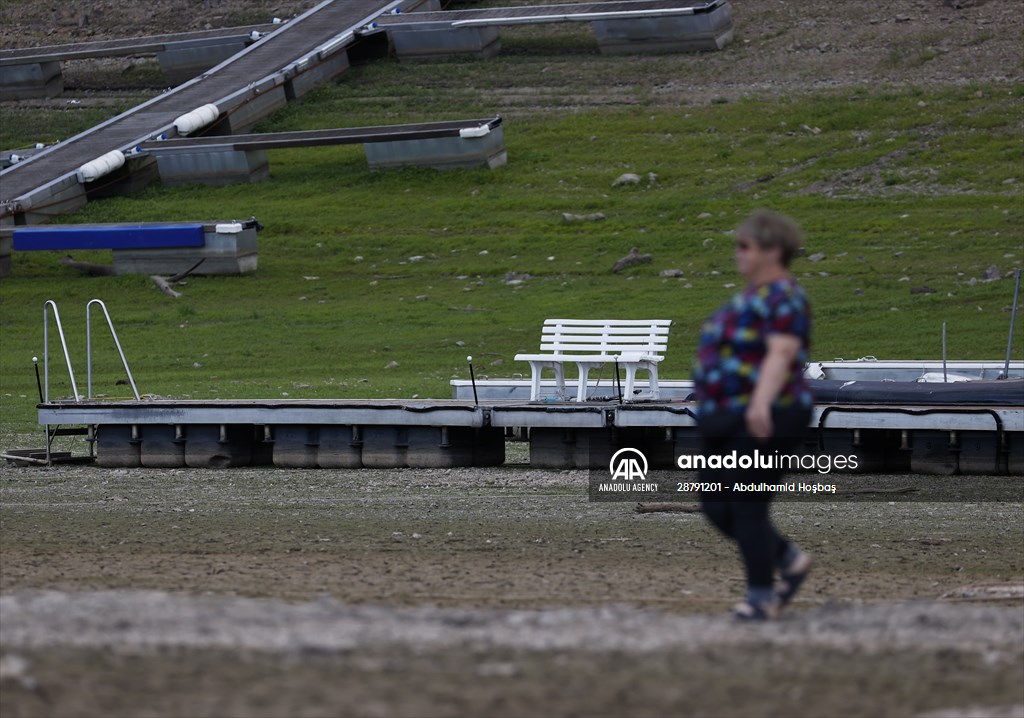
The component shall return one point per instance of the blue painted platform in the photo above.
(122, 236)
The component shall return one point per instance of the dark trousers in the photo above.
(747, 523)
(744, 518)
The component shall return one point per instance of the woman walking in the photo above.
(752, 396)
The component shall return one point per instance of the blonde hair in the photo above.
(769, 230)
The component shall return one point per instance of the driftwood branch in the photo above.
(108, 270)
(661, 506)
(634, 257)
(164, 283)
(90, 268)
(165, 286)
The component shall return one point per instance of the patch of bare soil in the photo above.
(255, 592)
(780, 45)
(28, 23)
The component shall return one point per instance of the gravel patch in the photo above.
(157, 619)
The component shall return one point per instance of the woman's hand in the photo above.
(759, 420)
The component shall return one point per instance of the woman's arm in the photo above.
(782, 350)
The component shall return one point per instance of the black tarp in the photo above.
(1006, 392)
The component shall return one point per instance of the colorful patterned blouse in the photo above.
(733, 345)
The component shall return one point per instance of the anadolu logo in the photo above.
(628, 464)
(628, 468)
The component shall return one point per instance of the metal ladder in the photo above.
(45, 388)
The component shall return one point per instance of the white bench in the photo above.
(636, 344)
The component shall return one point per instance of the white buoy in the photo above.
(102, 165)
(197, 119)
(475, 131)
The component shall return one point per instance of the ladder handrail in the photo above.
(117, 343)
(46, 351)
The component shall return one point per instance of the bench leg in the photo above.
(536, 368)
(652, 372)
(581, 389)
(630, 381)
(559, 378)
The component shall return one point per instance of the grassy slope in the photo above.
(899, 182)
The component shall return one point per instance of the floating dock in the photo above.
(253, 83)
(227, 159)
(967, 428)
(864, 369)
(32, 72)
(633, 26)
(217, 247)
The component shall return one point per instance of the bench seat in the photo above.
(634, 344)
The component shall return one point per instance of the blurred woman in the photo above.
(752, 397)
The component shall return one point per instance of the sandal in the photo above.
(793, 577)
(747, 611)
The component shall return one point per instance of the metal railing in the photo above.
(88, 347)
(47, 305)
(46, 351)
(45, 389)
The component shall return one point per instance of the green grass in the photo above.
(24, 124)
(894, 182)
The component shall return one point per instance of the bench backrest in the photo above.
(605, 336)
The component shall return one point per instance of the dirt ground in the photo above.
(780, 45)
(505, 592)
(261, 592)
